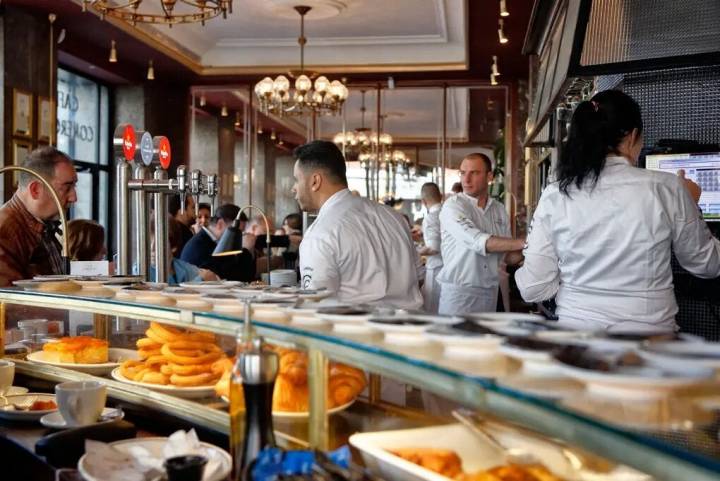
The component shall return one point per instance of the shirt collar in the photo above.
(336, 198)
(616, 160)
(435, 208)
(209, 233)
(474, 201)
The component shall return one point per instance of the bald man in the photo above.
(432, 200)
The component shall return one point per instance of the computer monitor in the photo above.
(702, 168)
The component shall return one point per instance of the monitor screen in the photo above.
(703, 168)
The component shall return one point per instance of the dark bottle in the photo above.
(254, 373)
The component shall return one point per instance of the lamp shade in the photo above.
(230, 242)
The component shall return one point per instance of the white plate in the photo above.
(453, 338)
(343, 318)
(648, 382)
(24, 415)
(48, 285)
(222, 298)
(155, 447)
(55, 420)
(182, 293)
(204, 285)
(301, 414)
(193, 304)
(503, 316)
(544, 387)
(354, 329)
(54, 277)
(387, 325)
(194, 392)
(475, 454)
(690, 354)
(115, 357)
(534, 363)
(15, 390)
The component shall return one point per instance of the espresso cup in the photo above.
(80, 402)
(7, 373)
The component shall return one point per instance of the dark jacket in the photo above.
(198, 251)
(23, 254)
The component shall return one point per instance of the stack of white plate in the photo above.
(283, 277)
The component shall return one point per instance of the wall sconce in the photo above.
(151, 71)
(503, 9)
(501, 32)
(260, 129)
(237, 119)
(273, 135)
(495, 70)
(203, 100)
(224, 111)
(113, 52)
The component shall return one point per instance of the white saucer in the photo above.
(55, 420)
(16, 390)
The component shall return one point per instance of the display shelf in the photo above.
(643, 451)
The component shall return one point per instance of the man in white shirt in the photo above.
(475, 233)
(360, 250)
(432, 200)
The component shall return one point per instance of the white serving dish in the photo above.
(155, 447)
(549, 387)
(177, 293)
(688, 354)
(193, 304)
(194, 392)
(115, 357)
(362, 315)
(14, 415)
(535, 363)
(462, 345)
(503, 316)
(55, 420)
(475, 454)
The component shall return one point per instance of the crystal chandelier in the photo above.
(130, 10)
(362, 140)
(321, 97)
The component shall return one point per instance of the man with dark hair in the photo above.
(203, 217)
(432, 200)
(475, 234)
(28, 222)
(186, 218)
(198, 250)
(359, 250)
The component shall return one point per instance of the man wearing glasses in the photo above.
(28, 221)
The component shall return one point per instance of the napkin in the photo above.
(137, 463)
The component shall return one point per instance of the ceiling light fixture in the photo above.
(503, 9)
(493, 80)
(237, 119)
(224, 111)
(495, 70)
(151, 70)
(260, 129)
(361, 139)
(321, 97)
(501, 32)
(203, 100)
(280, 141)
(113, 52)
(190, 11)
(273, 136)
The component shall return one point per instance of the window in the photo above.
(83, 133)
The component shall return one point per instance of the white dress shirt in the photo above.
(363, 252)
(605, 253)
(431, 236)
(465, 228)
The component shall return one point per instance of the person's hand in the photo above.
(208, 275)
(248, 241)
(196, 227)
(417, 234)
(691, 186)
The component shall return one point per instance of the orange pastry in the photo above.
(77, 350)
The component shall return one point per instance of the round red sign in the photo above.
(128, 142)
(164, 153)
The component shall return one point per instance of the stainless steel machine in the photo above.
(141, 170)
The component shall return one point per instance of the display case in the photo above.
(411, 384)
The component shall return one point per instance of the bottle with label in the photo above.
(251, 392)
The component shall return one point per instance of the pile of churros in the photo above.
(171, 356)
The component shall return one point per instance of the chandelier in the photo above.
(362, 140)
(130, 10)
(321, 97)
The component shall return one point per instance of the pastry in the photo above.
(77, 350)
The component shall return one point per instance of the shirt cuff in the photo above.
(480, 243)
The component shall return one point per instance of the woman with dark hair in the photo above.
(86, 240)
(601, 237)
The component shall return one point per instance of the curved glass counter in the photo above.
(681, 452)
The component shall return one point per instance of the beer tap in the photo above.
(196, 188)
(181, 177)
(211, 186)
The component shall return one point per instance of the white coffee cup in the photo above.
(80, 402)
(7, 374)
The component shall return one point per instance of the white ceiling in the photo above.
(364, 34)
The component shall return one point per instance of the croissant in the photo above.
(293, 365)
(344, 385)
(289, 396)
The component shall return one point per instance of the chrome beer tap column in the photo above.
(211, 187)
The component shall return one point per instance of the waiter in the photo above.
(475, 233)
(432, 200)
(28, 225)
(360, 250)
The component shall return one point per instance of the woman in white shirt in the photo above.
(601, 237)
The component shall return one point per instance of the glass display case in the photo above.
(413, 381)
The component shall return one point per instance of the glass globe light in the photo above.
(281, 84)
(386, 139)
(303, 84)
(265, 86)
(339, 138)
(322, 84)
(317, 97)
